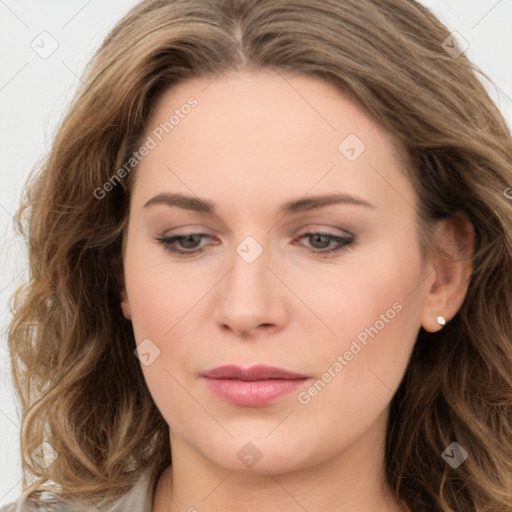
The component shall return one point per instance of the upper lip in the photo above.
(259, 372)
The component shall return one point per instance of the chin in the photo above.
(259, 454)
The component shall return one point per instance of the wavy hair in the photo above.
(79, 385)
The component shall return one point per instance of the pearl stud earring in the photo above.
(441, 321)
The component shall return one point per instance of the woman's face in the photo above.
(305, 258)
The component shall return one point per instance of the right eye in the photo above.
(189, 242)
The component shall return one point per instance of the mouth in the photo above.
(252, 387)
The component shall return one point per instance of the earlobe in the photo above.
(452, 268)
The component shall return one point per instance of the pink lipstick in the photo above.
(253, 387)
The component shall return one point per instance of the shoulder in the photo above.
(29, 506)
(41, 500)
(138, 499)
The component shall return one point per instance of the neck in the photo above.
(352, 480)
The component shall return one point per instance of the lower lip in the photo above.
(253, 393)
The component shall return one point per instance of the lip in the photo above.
(252, 387)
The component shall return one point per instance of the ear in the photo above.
(125, 304)
(118, 271)
(451, 267)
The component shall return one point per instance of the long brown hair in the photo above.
(81, 388)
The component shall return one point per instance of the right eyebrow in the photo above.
(182, 201)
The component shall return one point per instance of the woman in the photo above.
(271, 261)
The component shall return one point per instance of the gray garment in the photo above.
(138, 499)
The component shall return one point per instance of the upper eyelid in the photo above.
(312, 228)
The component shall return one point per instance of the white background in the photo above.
(34, 93)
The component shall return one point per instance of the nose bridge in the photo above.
(249, 275)
(250, 295)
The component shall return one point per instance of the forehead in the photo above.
(266, 131)
(263, 99)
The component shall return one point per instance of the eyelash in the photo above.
(345, 243)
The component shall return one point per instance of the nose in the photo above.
(251, 299)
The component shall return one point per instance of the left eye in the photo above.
(325, 240)
(190, 242)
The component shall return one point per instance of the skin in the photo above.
(254, 141)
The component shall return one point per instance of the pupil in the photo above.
(190, 241)
(317, 238)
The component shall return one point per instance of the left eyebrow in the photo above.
(314, 202)
(288, 208)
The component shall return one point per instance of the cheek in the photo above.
(162, 303)
(167, 300)
(374, 310)
(161, 293)
(375, 318)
